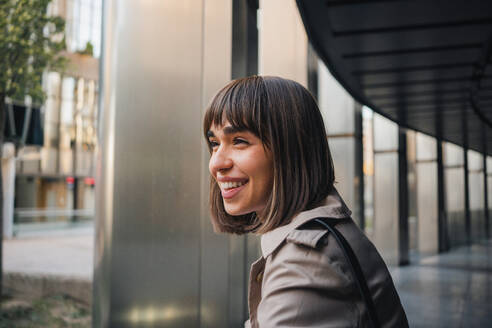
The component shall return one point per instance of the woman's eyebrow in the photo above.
(228, 130)
(233, 129)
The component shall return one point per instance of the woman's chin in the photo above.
(235, 211)
(238, 211)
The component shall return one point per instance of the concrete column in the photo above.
(8, 184)
(427, 195)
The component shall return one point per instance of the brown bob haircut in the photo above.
(286, 118)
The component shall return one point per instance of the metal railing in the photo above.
(36, 219)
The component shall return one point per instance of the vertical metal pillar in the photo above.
(441, 196)
(7, 185)
(467, 196)
(312, 66)
(485, 183)
(403, 233)
(75, 194)
(464, 123)
(157, 262)
(359, 167)
(244, 38)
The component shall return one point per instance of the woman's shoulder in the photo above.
(305, 285)
(312, 255)
(315, 237)
(307, 255)
(311, 258)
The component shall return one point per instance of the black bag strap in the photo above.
(355, 268)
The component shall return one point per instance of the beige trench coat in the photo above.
(303, 279)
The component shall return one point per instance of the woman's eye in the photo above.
(213, 144)
(238, 141)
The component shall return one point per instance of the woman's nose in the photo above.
(220, 161)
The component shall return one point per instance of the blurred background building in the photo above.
(54, 172)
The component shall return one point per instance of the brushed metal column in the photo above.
(157, 262)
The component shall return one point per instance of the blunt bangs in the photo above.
(286, 118)
(239, 103)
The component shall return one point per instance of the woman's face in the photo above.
(242, 168)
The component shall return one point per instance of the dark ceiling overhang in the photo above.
(425, 64)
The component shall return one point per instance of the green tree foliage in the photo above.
(30, 43)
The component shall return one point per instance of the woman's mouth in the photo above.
(230, 189)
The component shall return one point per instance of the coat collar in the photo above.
(333, 207)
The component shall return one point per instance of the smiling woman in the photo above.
(272, 174)
(267, 112)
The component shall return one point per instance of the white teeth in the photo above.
(230, 185)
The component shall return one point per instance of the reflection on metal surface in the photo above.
(154, 315)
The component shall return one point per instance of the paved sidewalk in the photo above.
(449, 290)
(39, 264)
